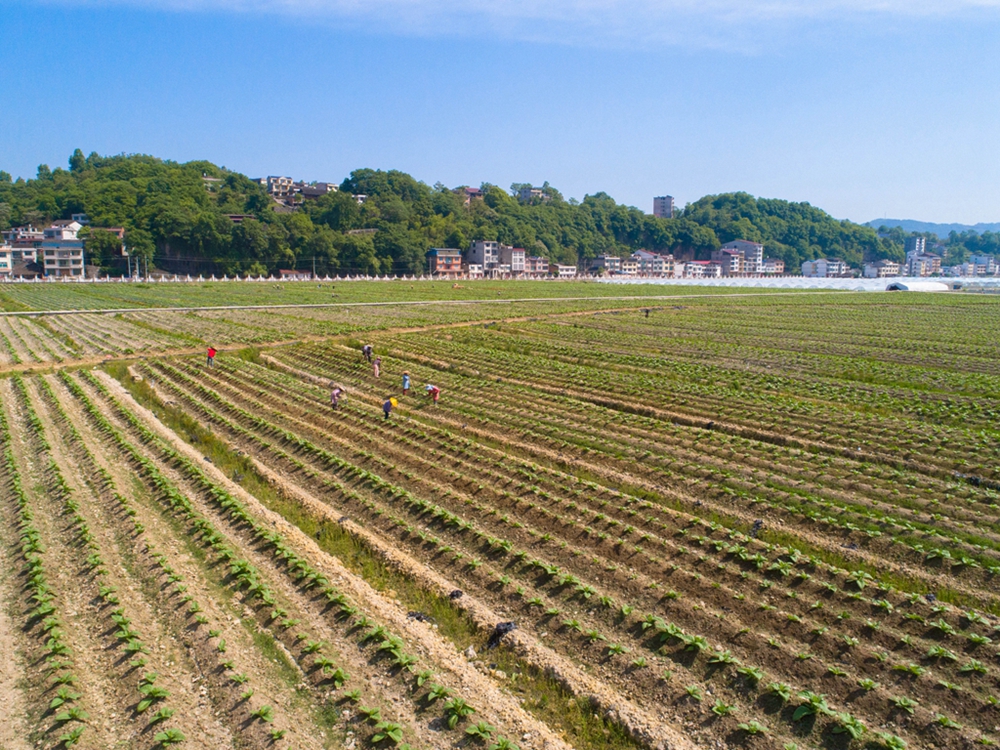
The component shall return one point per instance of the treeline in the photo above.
(178, 217)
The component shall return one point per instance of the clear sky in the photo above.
(865, 108)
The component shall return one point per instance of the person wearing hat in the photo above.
(388, 405)
(336, 394)
(434, 392)
(406, 382)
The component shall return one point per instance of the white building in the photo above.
(6, 260)
(561, 271)
(474, 270)
(986, 265)
(824, 268)
(730, 259)
(61, 250)
(922, 264)
(915, 245)
(881, 269)
(663, 206)
(514, 258)
(485, 253)
(702, 269)
(606, 263)
(774, 266)
(653, 264)
(630, 267)
(752, 252)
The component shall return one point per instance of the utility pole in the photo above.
(314, 267)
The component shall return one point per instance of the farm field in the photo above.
(733, 521)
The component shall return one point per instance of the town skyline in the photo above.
(864, 113)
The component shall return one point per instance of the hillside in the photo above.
(941, 230)
(178, 216)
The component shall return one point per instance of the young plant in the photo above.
(455, 710)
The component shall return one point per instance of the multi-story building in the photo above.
(916, 245)
(606, 264)
(663, 206)
(535, 265)
(474, 270)
(630, 267)
(469, 194)
(529, 194)
(6, 260)
(752, 252)
(986, 265)
(279, 187)
(24, 242)
(922, 264)
(825, 268)
(653, 264)
(881, 269)
(774, 266)
(445, 262)
(485, 253)
(562, 271)
(22, 234)
(514, 258)
(730, 260)
(702, 269)
(62, 250)
(315, 190)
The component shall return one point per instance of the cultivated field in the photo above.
(719, 520)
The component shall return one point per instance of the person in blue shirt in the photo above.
(406, 383)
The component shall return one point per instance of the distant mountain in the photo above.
(941, 230)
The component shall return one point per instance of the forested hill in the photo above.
(179, 214)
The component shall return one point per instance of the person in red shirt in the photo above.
(434, 392)
(211, 357)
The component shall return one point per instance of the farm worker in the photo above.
(211, 357)
(406, 383)
(367, 351)
(434, 392)
(387, 406)
(336, 394)
(376, 365)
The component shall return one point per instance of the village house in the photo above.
(881, 269)
(445, 262)
(62, 250)
(6, 260)
(561, 271)
(752, 254)
(536, 266)
(823, 268)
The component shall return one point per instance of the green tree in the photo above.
(140, 245)
(77, 162)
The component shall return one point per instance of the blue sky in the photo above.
(865, 108)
